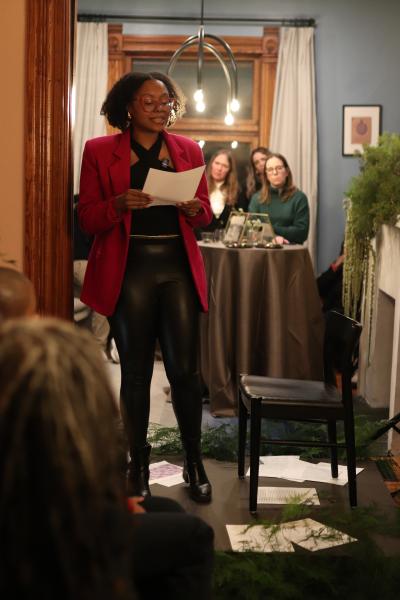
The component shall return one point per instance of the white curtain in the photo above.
(90, 88)
(294, 119)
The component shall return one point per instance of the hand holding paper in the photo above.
(133, 200)
(190, 208)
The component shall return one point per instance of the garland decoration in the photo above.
(373, 200)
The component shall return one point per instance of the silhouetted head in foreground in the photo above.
(17, 295)
(61, 501)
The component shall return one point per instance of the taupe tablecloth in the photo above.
(264, 318)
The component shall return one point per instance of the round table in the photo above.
(264, 318)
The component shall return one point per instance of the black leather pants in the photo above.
(158, 300)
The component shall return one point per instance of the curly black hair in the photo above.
(115, 106)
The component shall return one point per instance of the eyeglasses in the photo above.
(278, 169)
(149, 104)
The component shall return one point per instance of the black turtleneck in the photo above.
(156, 220)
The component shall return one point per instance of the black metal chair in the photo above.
(304, 400)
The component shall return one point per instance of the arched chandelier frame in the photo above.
(229, 68)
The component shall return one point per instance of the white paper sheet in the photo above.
(307, 533)
(169, 481)
(170, 188)
(283, 467)
(322, 473)
(342, 469)
(279, 458)
(292, 468)
(312, 535)
(165, 473)
(287, 495)
(257, 539)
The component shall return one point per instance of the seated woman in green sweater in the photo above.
(286, 205)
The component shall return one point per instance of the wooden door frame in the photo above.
(50, 31)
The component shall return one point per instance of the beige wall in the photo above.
(12, 69)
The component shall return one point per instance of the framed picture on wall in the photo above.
(361, 125)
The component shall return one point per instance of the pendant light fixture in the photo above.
(227, 63)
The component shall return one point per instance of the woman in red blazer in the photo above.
(145, 271)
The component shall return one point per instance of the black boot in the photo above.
(188, 407)
(194, 473)
(138, 471)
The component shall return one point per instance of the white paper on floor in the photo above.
(294, 469)
(257, 539)
(165, 473)
(282, 467)
(312, 535)
(287, 495)
(307, 533)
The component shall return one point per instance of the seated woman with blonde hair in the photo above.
(286, 205)
(65, 528)
(223, 188)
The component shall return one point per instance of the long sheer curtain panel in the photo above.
(90, 88)
(294, 119)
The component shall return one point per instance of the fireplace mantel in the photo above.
(379, 368)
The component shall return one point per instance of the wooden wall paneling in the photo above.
(186, 125)
(226, 137)
(127, 64)
(116, 55)
(48, 166)
(116, 62)
(267, 85)
(256, 93)
(150, 45)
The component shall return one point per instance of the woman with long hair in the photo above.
(286, 205)
(145, 270)
(255, 175)
(65, 528)
(61, 500)
(223, 188)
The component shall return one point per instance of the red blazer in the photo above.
(105, 174)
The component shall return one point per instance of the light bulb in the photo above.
(200, 106)
(201, 143)
(198, 95)
(235, 105)
(234, 144)
(229, 120)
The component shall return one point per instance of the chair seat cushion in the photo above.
(290, 392)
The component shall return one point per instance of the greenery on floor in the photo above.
(358, 571)
(221, 442)
(217, 442)
(250, 576)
